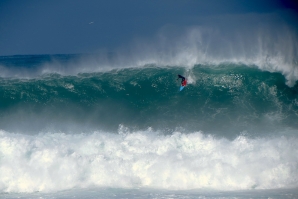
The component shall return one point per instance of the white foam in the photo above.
(57, 161)
(265, 48)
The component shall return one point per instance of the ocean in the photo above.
(72, 128)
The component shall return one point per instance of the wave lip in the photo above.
(55, 161)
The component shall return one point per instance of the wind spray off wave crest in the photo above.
(255, 46)
(262, 47)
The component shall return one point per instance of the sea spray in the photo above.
(54, 161)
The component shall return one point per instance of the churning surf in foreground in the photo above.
(129, 132)
(150, 159)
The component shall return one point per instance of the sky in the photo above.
(89, 26)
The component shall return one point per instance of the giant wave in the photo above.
(233, 98)
(117, 120)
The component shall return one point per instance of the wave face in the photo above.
(233, 127)
(228, 97)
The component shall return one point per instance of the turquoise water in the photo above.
(224, 99)
(233, 127)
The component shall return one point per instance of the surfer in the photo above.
(183, 80)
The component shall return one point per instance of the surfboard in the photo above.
(181, 88)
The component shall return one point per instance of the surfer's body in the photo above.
(183, 80)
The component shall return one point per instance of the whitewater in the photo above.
(115, 125)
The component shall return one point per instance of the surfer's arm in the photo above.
(180, 76)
